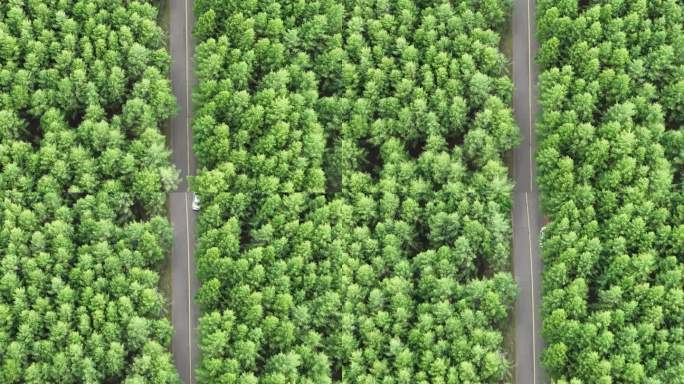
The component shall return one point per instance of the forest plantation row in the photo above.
(354, 191)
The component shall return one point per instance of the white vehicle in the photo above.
(195, 202)
(541, 237)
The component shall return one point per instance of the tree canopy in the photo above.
(355, 222)
(84, 173)
(610, 163)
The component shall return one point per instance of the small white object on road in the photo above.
(195, 202)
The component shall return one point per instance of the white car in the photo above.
(541, 237)
(195, 202)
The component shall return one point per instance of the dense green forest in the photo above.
(610, 163)
(355, 222)
(83, 177)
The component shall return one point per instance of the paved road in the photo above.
(527, 217)
(184, 282)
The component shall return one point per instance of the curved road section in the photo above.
(527, 217)
(184, 282)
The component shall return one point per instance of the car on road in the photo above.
(195, 202)
(541, 237)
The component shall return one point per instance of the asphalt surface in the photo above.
(527, 216)
(184, 283)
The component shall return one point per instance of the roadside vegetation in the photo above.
(610, 164)
(83, 179)
(355, 222)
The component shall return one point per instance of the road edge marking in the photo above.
(187, 236)
(187, 195)
(527, 205)
(529, 91)
(187, 93)
(534, 331)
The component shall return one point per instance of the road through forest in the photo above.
(527, 216)
(184, 283)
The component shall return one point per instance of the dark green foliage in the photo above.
(83, 177)
(355, 223)
(610, 164)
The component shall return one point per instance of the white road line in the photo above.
(187, 236)
(529, 87)
(534, 344)
(187, 196)
(527, 205)
(187, 90)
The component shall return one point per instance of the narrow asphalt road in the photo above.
(527, 216)
(184, 284)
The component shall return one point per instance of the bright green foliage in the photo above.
(83, 176)
(355, 221)
(610, 164)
